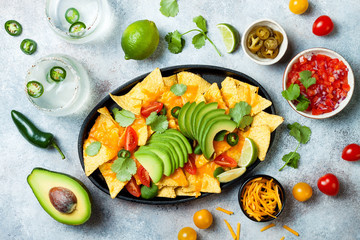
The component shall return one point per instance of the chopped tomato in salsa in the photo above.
(331, 82)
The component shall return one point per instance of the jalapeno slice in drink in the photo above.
(34, 89)
(72, 15)
(28, 46)
(57, 74)
(13, 28)
(77, 29)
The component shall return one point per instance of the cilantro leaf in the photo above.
(299, 132)
(291, 159)
(303, 103)
(175, 42)
(246, 121)
(93, 148)
(157, 123)
(124, 117)
(124, 168)
(178, 89)
(200, 23)
(292, 93)
(198, 40)
(169, 8)
(238, 112)
(306, 79)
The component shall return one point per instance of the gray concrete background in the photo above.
(323, 217)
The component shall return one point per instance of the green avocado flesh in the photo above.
(164, 155)
(152, 163)
(200, 114)
(173, 139)
(43, 181)
(188, 117)
(181, 119)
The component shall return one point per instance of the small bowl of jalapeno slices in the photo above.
(265, 42)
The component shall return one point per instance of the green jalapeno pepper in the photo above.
(254, 43)
(32, 134)
(124, 153)
(232, 139)
(271, 43)
(278, 36)
(13, 28)
(77, 29)
(175, 111)
(28, 46)
(57, 74)
(72, 15)
(34, 89)
(268, 53)
(263, 33)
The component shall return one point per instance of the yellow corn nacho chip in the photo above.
(261, 104)
(180, 192)
(107, 114)
(171, 80)
(176, 179)
(168, 192)
(91, 163)
(264, 118)
(114, 185)
(261, 136)
(200, 98)
(229, 92)
(142, 135)
(128, 103)
(213, 94)
(210, 184)
(235, 151)
(200, 161)
(191, 79)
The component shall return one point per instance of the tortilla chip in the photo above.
(263, 118)
(112, 182)
(200, 160)
(210, 184)
(252, 91)
(235, 151)
(213, 94)
(128, 103)
(91, 163)
(176, 179)
(142, 135)
(191, 79)
(220, 147)
(229, 92)
(261, 104)
(180, 192)
(192, 181)
(261, 136)
(171, 80)
(168, 192)
(200, 98)
(107, 114)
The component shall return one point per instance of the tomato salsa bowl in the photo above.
(334, 84)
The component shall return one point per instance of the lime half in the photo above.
(231, 175)
(249, 153)
(230, 35)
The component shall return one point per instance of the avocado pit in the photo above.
(63, 199)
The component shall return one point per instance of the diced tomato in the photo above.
(190, 166)
(152, 107)
(133, 188)
(143, 176)
(131, 139)
(225, 161)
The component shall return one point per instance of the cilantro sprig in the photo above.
(169, 8)
(178, 89)
(240, 114)
(302, 135)
(176, 43)
(158, 123)
(124, 117)
(293, 91)
(124, 168)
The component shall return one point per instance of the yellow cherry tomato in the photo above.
(302, 191)
(298, 6)
(203, 219)
(187, 233)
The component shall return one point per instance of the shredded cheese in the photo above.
(224, 211)
(230, 229)
(238, 231)
(267, 227)
(282, 238)
(261, 198)
(291, 230)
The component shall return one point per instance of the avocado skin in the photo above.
(83, 210)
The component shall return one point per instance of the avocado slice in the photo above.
(187, 118)
(211, 131)
(181, 118)
(206, 127)
(163, 155)
(208, 117)
(169, 150)
(152, 163)
(63, 197)
(174, 146)
(183, 139)
(202, 113)
(198, 107)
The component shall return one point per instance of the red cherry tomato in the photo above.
(322, 26)
(190, 166)
(131, 139)
(133, 188)
(351, 152)
(225, 161)
(143, 176)
(328, 184)
(153, 107)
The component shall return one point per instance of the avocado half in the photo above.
(42, 181)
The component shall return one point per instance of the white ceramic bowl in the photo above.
(273, 25)
(332, 54)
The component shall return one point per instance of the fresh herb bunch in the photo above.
(302, 135)
(176, 43)
(293, 91)
(240, 114)
(169, 8)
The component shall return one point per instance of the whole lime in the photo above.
(140, 39)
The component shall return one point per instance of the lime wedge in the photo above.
(230, 35)
(230, 175)
(249, 153)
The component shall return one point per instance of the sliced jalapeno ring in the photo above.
(254, 43)
(271, 43)
(197, 150)
(57, 74)
(232, 139)
(72, 15)
(278, 36)
(268, 53)
(163, 111)
(263, 32)
(175, 111)
(124, 153)
(28, 46)
(77, 29)
(13, 28)
(34, 89)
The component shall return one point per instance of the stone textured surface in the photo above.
(322, 217)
